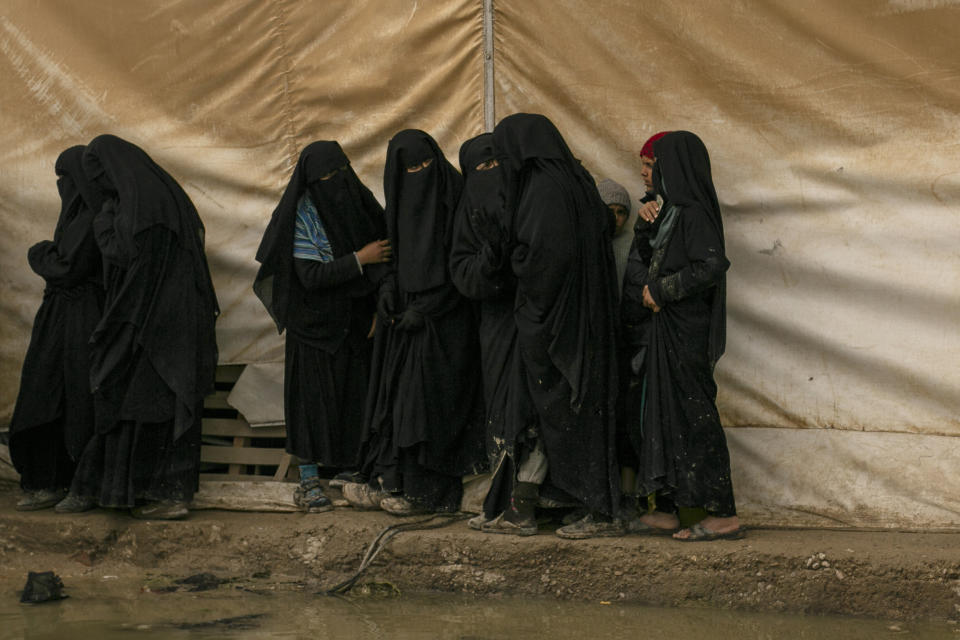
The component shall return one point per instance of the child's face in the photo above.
(620, 214)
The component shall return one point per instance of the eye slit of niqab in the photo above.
(419, 166)
(333, 173)
(486, 165)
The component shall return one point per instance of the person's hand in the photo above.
(387, 303)
(375, 252)
(489, 229)
(373, 327)
(410, 321)
(648, 300)
(649, 211)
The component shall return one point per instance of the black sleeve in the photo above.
(314, 275)
(705, 255)
(105, 232)
(472, 263)
(435, 302)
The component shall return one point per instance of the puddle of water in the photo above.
(130, 614)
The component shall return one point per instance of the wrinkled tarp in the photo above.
(832, 129)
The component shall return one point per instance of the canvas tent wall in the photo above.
(832, 129)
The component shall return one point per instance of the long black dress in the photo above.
(425, 407)
(313, 286)
(479, 265)
(565, 307)
(683, 451)
(154, 352)
(53, 418)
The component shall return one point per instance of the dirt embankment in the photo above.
(905, 576)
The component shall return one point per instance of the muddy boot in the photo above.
(40, 499)
(519, 519)
(309, 495)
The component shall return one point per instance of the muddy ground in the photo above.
(887, 575)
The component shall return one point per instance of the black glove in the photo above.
(387, 302)
(410, 321)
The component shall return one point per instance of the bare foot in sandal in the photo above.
(711, 528)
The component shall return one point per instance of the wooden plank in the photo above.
(282, 468)
(241, 455)
(217, 400)
(238, 443)
(227, 477)
(229, 372)
(239, 427)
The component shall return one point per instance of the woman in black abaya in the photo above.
(479, 264)
(53, 417)
(565, 312)
(683, 451)
(320, 257)
(154, 352)
(425, 407)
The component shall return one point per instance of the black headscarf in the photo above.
(350, 214)
(682, 174)
(420, 209)
(161, 303)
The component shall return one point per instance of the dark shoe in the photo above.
(40, 499)
(590, 527)
(345, 477)
(400, 506)
(574, 516)
(699, 533)
(361, 495)
(75, 504)
(501, 524)
(161, 510)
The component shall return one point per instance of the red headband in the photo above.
(647, 149)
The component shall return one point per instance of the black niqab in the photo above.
(420, 209)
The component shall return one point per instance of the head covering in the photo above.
(76, 191)
(419, 209)
(682, 174)
(161, 302)
(350, 215)
(647, 150)
(481, 189)
(613, 193)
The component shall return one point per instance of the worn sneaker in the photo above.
(75, 504)
(500, 524)
(590, 527)
(400, 506)
(161, 510)
(477, 522)
(309, 496)
(361, 495)
(40, 499)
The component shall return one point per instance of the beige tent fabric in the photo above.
(832, 127)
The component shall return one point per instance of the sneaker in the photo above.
(40, 499)
(309, 496)
(574, 516)
(500, 524)
(361, 495)
(75, 504)
(590, 527)
(477, 522)
(161, 510)
(345, 477)
(400, 506)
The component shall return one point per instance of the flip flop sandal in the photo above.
(699, 533)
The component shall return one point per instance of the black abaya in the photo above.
(154, 351)
(683, 452)
(325, 305)
(565, 307)
(425, 404)
(53, 418)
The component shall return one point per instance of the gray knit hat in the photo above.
(612, 193)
